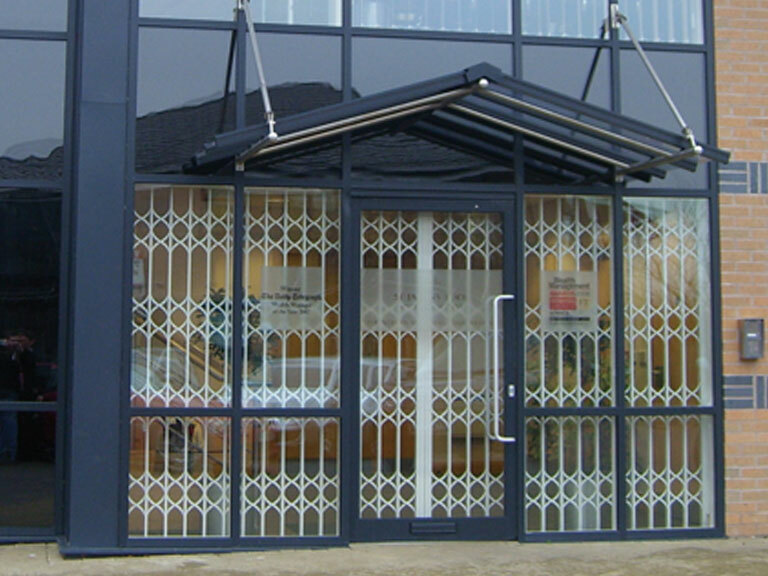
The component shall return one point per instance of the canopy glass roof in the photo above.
(479, 110)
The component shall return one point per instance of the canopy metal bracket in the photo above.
(269, 115)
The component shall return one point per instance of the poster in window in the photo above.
(569, 301)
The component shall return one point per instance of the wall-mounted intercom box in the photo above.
(751, 338)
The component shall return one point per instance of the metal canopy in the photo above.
(479, 110)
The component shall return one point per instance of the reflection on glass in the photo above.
(27, 488)
(684, 77)
(377, 63)
(426, 279)
(569, 301)
(188, 9)
(32, 115)
(182, 296)
(576, 19)
(179, 480)
(181, 103)
(318, 12)
(48, 15)
(291, 311)
(566, 70)
(670, 475)
(290, 477)
(672, 21)
(668, 331)
(303, 73)
(490, 16)
(30, 230)
(570, 482)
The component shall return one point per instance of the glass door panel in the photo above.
(426, 287)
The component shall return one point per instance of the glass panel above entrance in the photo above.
(425, 449)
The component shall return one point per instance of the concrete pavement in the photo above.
(736, 557)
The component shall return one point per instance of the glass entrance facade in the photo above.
(300, 348)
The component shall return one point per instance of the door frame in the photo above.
(488, 528)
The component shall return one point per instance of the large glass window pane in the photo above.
(291, 477)
(667, 310)
(670, 472)
(490, 16)
(570, 474)
(320, 12)
(179, 479)
(574, 18)
(568, 302)
(188, 9)
(49, 15)
(182, 297)
(381, 63)
(28, 488)
(671, 21)
(30, 231)
(684, 77)
(181, 101)
(32, 109)
(291, 320)
(566, 70)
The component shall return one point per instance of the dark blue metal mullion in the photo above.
(241, 61)
(126, 336)
(518, 262)
(181, 24)
(350, 373)
(514, 369)
(34, 35)
(238, 294)
(349, 351)
(620, 465)
(716, 296)
(65, 278)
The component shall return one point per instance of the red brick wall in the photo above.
(741, 44)
(746, 470)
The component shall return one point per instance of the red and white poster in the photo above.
(569, 301)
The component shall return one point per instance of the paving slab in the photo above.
(724, 557)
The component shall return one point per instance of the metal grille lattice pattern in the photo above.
(179, 477)
(671, 472)
(570, 474)
(292, 239)
(425, 448)
(666, 286)
(290, 484)
(182, 273)
(568, 367)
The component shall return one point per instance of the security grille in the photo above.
(292, 359)
(667, 304)
(425, 450)
(671, 473)
(568, 367)
(179, 480)
(570, 475)
(182, 297)
(290, 484)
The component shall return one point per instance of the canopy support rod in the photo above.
(595, 156)
(269, 115)
(619, 20)
(329, 129)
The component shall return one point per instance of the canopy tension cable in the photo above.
(619, 20)
(269, 115)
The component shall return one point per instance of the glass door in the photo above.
(434, 431)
